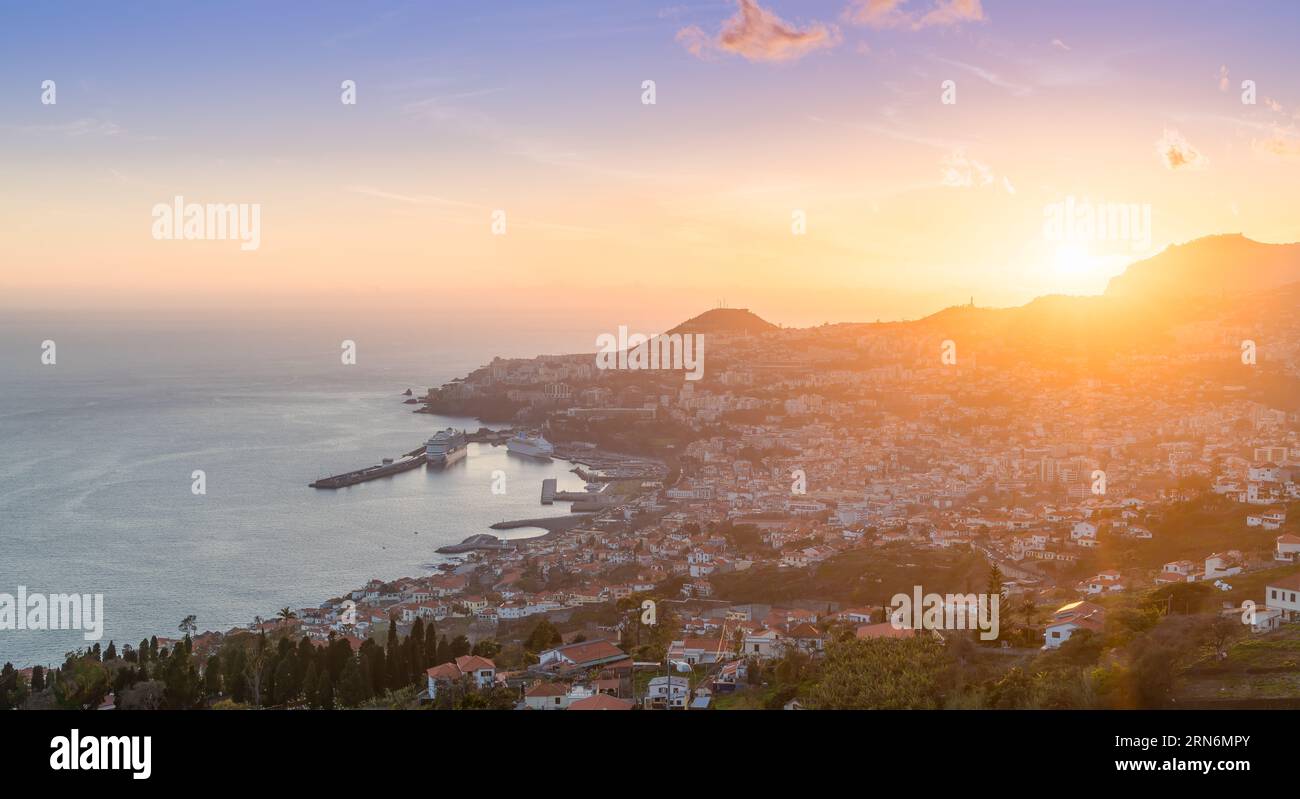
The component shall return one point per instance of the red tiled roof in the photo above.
(1290, 583)
(602, 702)
(590, 651)
(882, 630)
(469, 663)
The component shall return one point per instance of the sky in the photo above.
(808, 160)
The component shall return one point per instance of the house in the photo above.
(765, 644)
(1223, 564)
(699, 650)
(466, 670)
(808, 639)
(1067, 619)
(1271, 519)
(675, 690)
(1103, 583)
(730, 676)
(1263, 619)
(1182, 568)
(1284, 594)
(547, 696)
(1288, 548)
(581, 656)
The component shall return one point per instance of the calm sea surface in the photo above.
(96, 456)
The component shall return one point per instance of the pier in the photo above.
(552, 524)
(387, 468)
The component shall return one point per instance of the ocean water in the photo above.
(97, 452)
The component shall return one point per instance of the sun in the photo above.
(1073, 261)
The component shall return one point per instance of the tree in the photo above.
(212, 675)
(82, 683)
(486, 648)
(286, 681)
(430, 645)
(995, 582)
(352, 689)
(326, 693)
(310, 687)
(881, 673)
(146, 695)
(38, 679)
(184, 688)
(188, 626)
(286, 613)
(459, 647)
(543, 637)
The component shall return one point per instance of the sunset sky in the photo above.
(617, 211)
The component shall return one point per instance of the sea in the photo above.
(99, 453)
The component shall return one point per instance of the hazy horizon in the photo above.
(651, 212)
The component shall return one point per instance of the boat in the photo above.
(446, 447)
(532, 446)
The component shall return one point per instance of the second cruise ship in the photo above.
(445, 448)
(533, 446)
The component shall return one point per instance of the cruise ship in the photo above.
(446, 447)
(534, 446)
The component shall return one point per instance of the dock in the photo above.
(386, 469)
(552, 524)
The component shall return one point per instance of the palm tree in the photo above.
(285, 614)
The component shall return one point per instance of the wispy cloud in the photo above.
(897, 14)
(958, 170)
(1279, 145)
(412, 199)
(84, 128)
(986, 75)
(757, 34)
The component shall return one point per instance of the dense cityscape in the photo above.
(743, 537)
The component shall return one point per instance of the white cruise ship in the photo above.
(446, 447)
(534, 446)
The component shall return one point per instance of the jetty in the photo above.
(551, 524)
(387, 468)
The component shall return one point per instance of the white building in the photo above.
(1285, 596)
(1069, 618)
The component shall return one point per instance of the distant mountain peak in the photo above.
(725, 320)
(1210, 266)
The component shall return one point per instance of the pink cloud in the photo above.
(759, 35)
(1178, 153)
(892, 14)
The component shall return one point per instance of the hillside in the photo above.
(725, 320)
